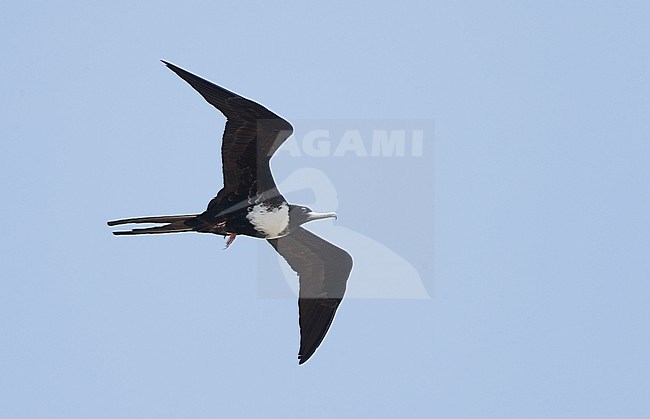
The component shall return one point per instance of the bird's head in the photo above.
(299, 215)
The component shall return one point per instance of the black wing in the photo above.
(253, 133)
(323, 270)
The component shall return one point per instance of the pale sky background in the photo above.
(524, 220)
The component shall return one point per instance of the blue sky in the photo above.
(509, 257)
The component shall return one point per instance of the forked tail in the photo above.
(173, 224)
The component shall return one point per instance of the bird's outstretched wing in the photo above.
(253, 133)
(323, 270)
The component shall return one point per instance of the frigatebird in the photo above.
(250, 204)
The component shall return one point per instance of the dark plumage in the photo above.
(322, 285)
(250, 204)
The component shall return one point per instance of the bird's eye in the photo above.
(304, 210)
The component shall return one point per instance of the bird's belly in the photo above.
(272, 222)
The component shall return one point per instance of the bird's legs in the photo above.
(231, 239)
(231, 236)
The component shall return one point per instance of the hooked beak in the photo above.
(320, 215)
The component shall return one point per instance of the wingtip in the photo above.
(176, 69)
(168, 64)
(303, 358)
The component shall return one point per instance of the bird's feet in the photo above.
(231, 239)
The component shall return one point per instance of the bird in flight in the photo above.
(250, 204)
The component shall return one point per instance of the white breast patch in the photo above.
(269, 221)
